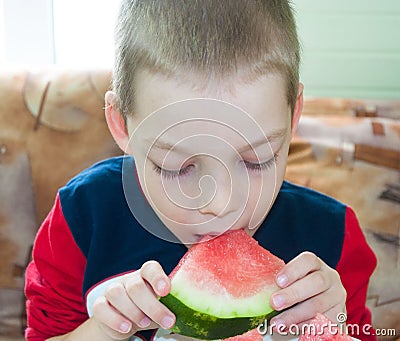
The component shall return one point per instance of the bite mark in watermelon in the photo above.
(323, 329)
(222, 287)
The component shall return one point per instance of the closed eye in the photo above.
(171, 174)
(258, 167)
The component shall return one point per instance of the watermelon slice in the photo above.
(323, 329)
(222, 286)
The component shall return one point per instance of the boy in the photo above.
(206, 100)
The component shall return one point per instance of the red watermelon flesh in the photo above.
(323, 329)
(222, 287)
(243, 267)
(252, 335)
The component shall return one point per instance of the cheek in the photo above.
(165, 198)
(264, 189)
(154, 190)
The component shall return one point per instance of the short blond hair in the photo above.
(211, 38)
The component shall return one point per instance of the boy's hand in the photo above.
(131, 304)
(308, 286)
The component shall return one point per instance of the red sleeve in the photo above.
(53, 284)
(355, 267)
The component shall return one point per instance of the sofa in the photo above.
(52, 126)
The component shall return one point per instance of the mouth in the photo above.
(213, 234)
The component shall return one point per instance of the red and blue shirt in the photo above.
(91, 235)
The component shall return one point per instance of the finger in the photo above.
(307, 310)
(306, 287)
(146, 300)
(119, 299)
(298, 268)
(109, 317)
(303, 326)
(293, 317)
(282, 324)
(154, 274)
(337, 314)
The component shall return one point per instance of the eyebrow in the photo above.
(273, 136)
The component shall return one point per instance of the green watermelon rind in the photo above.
(203, 326)
(215, 300)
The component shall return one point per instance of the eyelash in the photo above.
(172, 174)
(258, 167)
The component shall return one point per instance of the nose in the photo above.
(217, 189)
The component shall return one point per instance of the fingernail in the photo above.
(282, 280)
(125, 327)
(167, 322)
(161, 285)
(278, 301)
(145, 322)
(278, 325)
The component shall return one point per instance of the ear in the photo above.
(116, 122)
(298, 108)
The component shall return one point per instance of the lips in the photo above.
(213, 234)
(210, 235)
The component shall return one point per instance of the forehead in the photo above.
(183, 107)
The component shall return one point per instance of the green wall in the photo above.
(350, 48)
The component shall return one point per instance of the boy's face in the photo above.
(210, 159)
